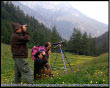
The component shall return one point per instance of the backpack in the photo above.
(35, 50)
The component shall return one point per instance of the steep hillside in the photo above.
(102, 42)
(102, 38)
(39, 32)
(64, 17)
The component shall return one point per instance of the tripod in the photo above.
(62, 53)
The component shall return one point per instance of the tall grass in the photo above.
(86, 69)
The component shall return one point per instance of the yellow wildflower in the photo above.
(63, 82)
(21, 82)
(103, 80)
(90, 81)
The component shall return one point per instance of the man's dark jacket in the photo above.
(18, 46)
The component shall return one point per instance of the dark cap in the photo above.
(16, 26)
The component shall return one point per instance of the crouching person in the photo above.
(39, 64)
(20, 53)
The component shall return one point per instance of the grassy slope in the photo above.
(86, 69)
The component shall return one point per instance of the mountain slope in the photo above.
(65, 18)
(11, 13)
(102, 43)
(100, 40)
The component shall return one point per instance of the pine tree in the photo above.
(85, 44)
(76, 41)
(89, 44)
(55, 37)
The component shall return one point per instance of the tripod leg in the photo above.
(55, 59)
(67, 59)
(63, 59)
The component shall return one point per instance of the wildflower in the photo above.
(63, 82)
(90, 81)
(96, 82)
(21, 83)
(103, 80)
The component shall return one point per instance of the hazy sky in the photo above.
(94, 9)
(97, 10)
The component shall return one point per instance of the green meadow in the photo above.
(85, 69)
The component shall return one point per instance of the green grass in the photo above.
(86, 69)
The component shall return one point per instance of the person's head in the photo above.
(48, 45)
(40, 54)
(24, 27)
(17, 27)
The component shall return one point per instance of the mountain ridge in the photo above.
(65, 20)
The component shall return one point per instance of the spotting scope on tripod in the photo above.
(59, 45)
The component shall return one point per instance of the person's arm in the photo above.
(24, 38)
(49, 52)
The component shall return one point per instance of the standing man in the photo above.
(20, 53)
